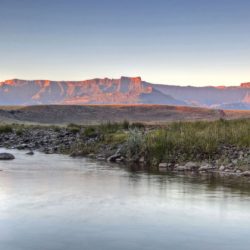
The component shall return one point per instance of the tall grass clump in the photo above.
(74, 128)
(110, 127)
(4, 129)
(236, 132)
(196, 140)
(89, 131)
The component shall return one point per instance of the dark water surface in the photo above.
(53, 202)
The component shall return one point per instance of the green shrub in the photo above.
(135, 143)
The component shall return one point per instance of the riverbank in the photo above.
(218, 146)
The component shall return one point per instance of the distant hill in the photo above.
(96, 114)
(211, 97)
(126, 90)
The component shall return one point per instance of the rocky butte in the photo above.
(126, 90)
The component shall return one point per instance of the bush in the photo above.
(135, 143)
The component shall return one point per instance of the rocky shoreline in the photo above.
(46, 140)
(63, 140)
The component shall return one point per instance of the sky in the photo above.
(185, 42)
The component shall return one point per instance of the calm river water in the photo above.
(53, 202)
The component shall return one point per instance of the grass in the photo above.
(4, 129)
(182, 141)
(74, 128)
(175, 142)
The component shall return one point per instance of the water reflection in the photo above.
(54, 202)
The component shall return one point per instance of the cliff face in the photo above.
(125, 90)
(245, 85)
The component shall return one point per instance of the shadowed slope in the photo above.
(93, 114)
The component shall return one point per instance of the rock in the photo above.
(22, 146)
(192, 166)
(30, 153)
(241, 153)
(120, 159)
(142, 159)
(91, 155)
(181, 168)
(113, 158)
(100, 158)
(246, 173)
(163, 165)
(222, 168)
(235, 161)
(206, 167)
(6, 156)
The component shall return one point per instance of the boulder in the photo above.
(222, 168)
(22, 146)
(6, 156)
(163, 165)
(30, 153)
(181, 168)
(246, 173)
(192, 166)
(206, 167)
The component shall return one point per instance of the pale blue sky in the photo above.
(196, 42)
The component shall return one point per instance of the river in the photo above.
(54, 202)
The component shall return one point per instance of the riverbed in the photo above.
(54, 202)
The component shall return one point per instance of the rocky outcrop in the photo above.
(245, 85)
(45, 140)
